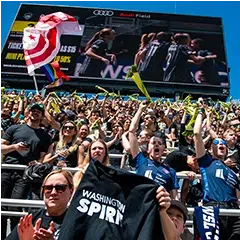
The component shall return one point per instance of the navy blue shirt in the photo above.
(92, 67)
(158, 172)
(219, 181)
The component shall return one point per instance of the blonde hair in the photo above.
(62, 143)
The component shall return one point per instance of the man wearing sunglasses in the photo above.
(24, 144)
(220, 183)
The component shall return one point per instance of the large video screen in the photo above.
(165, 47)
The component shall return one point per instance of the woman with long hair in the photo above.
(97, 55)
(143, 44)
(65, 152)
(45, 223)
(97, 150)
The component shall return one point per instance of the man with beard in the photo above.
(24, 144)
(153, 166)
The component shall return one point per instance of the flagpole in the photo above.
(35, 83)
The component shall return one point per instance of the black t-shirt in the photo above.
(6, 123)
(112, 204)
(116, 147)
(184, 146)
(38, 139)
(152, 65)
(92, 67)
(177, 68)
(46, 220)
(178, 161)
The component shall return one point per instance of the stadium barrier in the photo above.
(73, 170)
(40, 204)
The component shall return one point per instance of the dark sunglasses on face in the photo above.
(60, 188)
(68, 127)
(218, 141)
(146, 118)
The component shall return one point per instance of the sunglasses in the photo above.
(218, 141)
(68, 127)
(146, 118)
(60, 188)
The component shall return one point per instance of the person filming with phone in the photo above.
(23, 144)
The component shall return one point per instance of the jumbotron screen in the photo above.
(165, 47)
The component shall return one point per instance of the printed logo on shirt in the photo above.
(210, 223)
(148, 174)
(219, 174)
(165, 170)
(106, 208)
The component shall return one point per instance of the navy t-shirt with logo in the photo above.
(158, 172)
(219, 181)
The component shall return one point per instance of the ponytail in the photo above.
(93, 39)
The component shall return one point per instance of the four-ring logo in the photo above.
(106, 13)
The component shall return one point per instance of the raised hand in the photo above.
(25, 228)
(163, 198)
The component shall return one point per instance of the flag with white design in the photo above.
(42, 42)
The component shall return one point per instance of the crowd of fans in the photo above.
(155, 139)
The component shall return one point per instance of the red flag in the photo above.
(42, 42)
(59, 73)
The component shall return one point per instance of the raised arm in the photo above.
(20, 110)
(198, 140)
(133, 128)
(56, 125)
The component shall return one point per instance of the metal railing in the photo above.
(40, 204)
(73, 170)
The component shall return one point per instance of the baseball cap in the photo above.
(70, 114)
(37, 106)
(188, 151)
(181, 207)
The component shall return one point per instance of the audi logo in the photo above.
(105, 13)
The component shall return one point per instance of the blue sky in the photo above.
(227, 10)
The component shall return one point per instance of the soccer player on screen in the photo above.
(154, 56)
(179, 55)
(97, 55)
(208, 67)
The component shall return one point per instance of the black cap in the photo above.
(70, 114)
(188, 150)
(181, 207)
(37, 106)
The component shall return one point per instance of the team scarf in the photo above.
(206, 223)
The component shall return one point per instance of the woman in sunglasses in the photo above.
(57, 189)
(220, 183)
(65, 152)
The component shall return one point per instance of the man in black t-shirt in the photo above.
(179, 55)
(22, 144)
